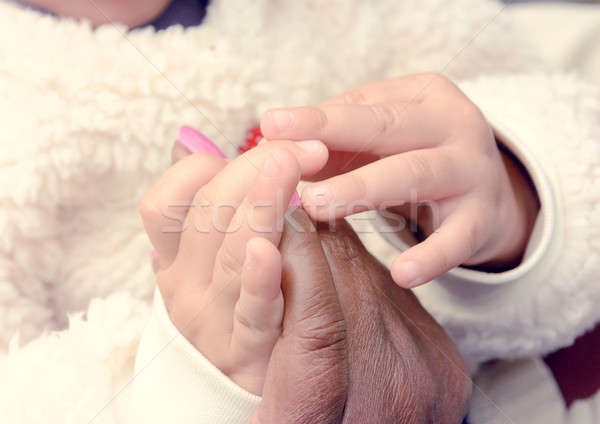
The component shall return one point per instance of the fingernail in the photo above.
(310, 146)
(271, 167)
(408, 273)
(295, 202)
(282, 119)
(179, 151)
(196, 142)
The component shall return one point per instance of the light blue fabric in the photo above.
(180, 12)
(29, 6)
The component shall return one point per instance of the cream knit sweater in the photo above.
(87, 121)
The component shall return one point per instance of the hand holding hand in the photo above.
(215, 227)
(355, 347)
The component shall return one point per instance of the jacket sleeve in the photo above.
(552, 125)
(78, 375)
(524, 391)
(173, 382)
(86, 374)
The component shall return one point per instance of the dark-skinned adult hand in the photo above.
(356, 348)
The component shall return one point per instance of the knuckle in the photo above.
(439, 81)
(385, 117)
(242, 319)
(287, 160)
(319, 119)
(420, 169)
(354, 97)
(284, 152)
(469, 112)
(324, 338)
(273, 147)
(228, 261)
(424, 78)
(344, 243)
(264, 324)
(438, 86)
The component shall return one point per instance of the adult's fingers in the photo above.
(374, 329)
(307, 377)
(458, 238)
(216, 202)
(164, 207)
(394, 345)
(415, 176)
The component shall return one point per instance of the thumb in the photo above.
(307, 377)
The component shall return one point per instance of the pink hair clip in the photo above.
(196, 142)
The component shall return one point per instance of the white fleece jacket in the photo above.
(88, 118)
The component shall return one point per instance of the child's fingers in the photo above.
(216, 203)
(381, 129)
(383, 118)
(259, 311)
(260, 215)
(164, 207)
(410, 177)
(459, 237)
(413, 88)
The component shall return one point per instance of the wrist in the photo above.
(522, 207)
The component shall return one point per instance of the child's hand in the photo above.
(415, 139)
(221, 276)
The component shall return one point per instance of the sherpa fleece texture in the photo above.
(88, 118)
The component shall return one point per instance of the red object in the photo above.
(576, 368)
(253, 136)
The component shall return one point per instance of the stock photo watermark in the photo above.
(266, 217)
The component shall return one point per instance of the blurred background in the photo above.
(566, 33)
